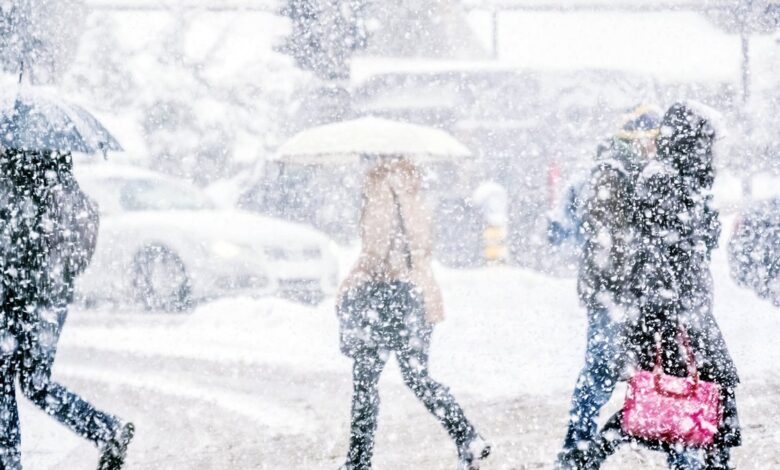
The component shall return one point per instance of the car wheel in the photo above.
(160, 280)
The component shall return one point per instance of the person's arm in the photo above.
(604, 204)
(712, 224)
(80, 218)
(376, 226)
(418, 225)
(376, 230)
(418, 221)
(660, 207)
(562, 221)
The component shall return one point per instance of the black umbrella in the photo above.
(34, 121)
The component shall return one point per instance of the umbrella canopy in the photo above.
(346, 142)
(34, 121)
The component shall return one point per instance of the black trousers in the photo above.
(410, 342)
(28, 344)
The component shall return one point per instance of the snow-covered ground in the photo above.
(246, 383)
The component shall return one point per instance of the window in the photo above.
(149, 195)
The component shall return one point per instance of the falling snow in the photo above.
(263, 233)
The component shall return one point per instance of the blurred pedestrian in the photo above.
(493, 200)
(563, 220)
(678, 228)
(601, 212)
(389, 304)
(48, 231)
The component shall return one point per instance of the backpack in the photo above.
(76, 219)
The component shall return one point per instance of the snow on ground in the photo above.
(261, 383)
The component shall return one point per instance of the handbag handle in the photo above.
(404, 233)
(693, 371)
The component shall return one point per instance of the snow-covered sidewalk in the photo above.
(270, 371)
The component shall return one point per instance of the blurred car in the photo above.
(294, 192)
(164, 244)
(754, 249)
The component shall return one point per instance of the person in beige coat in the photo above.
(389, 303)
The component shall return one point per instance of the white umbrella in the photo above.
(346, 142)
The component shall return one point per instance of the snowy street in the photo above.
(244, 383)
(523, 200)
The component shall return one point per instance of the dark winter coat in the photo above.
(48, 227)
(605, 211)
(678, 228)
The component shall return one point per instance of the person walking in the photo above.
(678, 228)
(388, 304)
(602, 208)
(48, 231)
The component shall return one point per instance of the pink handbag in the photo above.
(680, 410)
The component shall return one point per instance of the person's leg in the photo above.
(606, 443)
(684, 459)
(596, 381)
(612, 436)
(54, 399)
(366, 370)
(10, 435)
(413, 361)
(717, 458)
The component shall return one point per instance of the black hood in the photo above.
(34, 170)
(685, 143)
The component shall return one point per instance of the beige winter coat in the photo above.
(383, 256)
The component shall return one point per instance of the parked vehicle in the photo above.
(754, 249)
(164, 244)
(335, 156)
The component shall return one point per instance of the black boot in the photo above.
(576, 459)
(592, 455)
(472, 453)
(114, 451)
(570, 459)
(717, 459)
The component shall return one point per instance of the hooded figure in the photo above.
(671, 284)
(389, 304)
(48, 231)
(679, 228)
(604, 207)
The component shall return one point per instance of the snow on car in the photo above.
(163, 243)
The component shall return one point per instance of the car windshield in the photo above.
(149, 195)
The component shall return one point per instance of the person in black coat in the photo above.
(48, 232)
(671, 283)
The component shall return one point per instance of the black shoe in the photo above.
(576, 459)
(472, 453)
(113, 452)
(568, 459)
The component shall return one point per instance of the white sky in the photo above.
(668, 45)
(674, 46)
